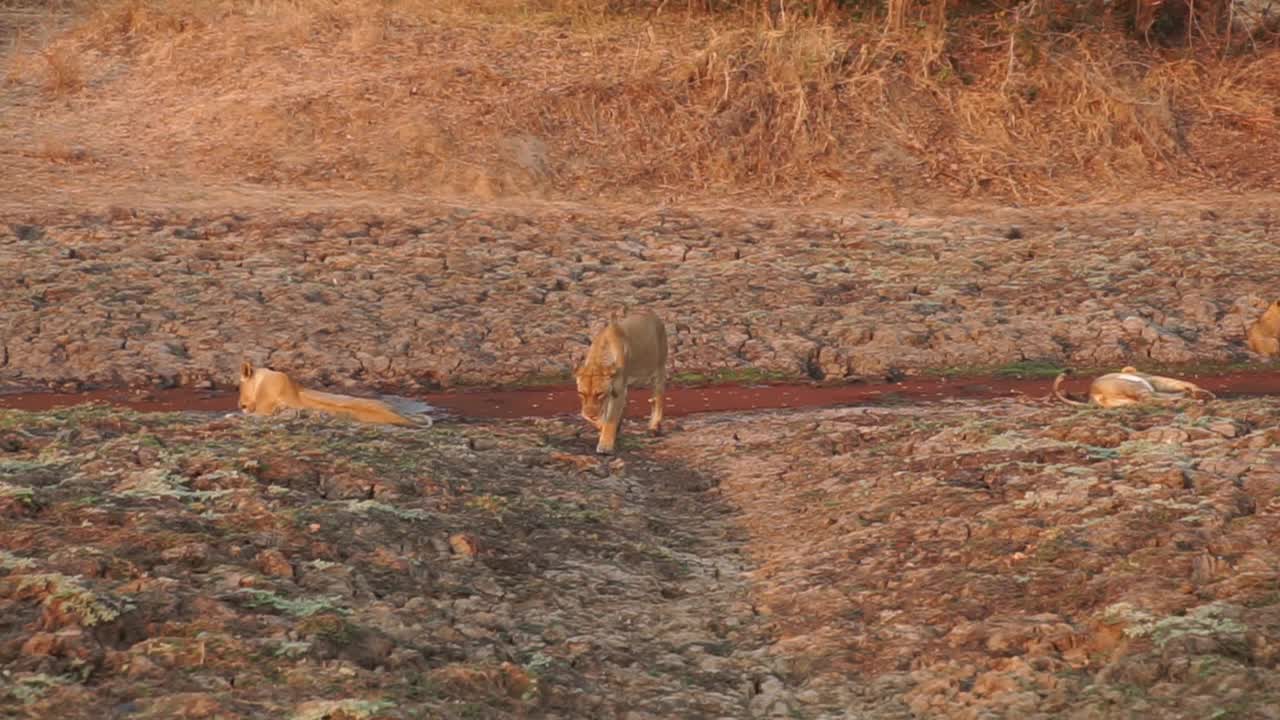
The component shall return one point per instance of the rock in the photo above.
(273, 562)
(28, 233)
(767, 698)
(1225, 429)
(141, 667)
(464, 545)
(482, 443)
(40, 643)
(190, 554)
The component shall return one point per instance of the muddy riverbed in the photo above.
(563, 400)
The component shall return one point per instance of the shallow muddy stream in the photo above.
(562, 400)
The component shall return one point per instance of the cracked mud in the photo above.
(451, 296)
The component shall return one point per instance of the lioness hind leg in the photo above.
(1174, 385)
(1115, 402)
(659, 396)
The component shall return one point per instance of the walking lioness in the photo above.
(630, 350)
(264, 391)
(1130, 387)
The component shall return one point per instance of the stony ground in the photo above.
(1013, 559)
(183, 566)
(953, 560)
(441, 295)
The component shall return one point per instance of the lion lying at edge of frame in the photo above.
(1130, 387)
(264, 392)
(1264, 334)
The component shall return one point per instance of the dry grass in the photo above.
(58, 150)
(570, 98)
(63, 71)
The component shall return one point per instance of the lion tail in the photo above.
(1057, 390)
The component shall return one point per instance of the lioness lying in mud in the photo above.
(633, 349)
(264, 391)
(1264, 335)
(1130, 387)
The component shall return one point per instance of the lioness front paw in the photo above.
(602, 449)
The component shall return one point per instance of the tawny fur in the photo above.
(1130, 387)
(628, 351)
(1264, 335)
(264, 392)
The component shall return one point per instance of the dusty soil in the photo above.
(170, 565)
(958, 559)
(1013, 558)
(442, 296)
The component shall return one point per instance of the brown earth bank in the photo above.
(679, 401)
(444, 296)
(963, 560)
(1013, 559)
(174, 566)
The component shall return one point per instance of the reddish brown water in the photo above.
(545, 402)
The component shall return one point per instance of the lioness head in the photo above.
(248, 387)
(596, 387)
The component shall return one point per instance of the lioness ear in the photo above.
(1129, 369)
(246, 370)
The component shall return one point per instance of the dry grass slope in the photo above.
(566, 99)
